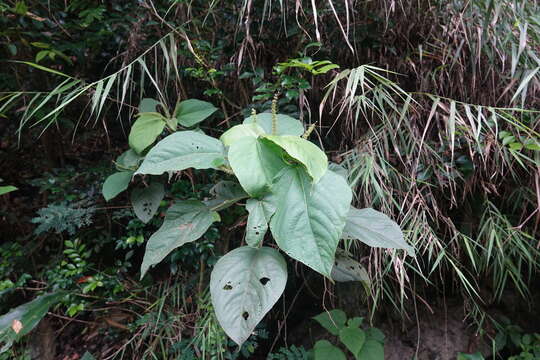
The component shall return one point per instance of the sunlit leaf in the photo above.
(286, 125)
(145, 131)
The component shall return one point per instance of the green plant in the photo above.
(365, 344)
(289, 190)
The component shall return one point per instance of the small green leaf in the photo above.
(145, 201)
(185, 221)
(7, 189)
(333, 320)
(475, 356)
(116, 183)
(309, 219)
(532, 146)
(257, 224)
(226, 193)
(255, 164)
(148, 105)
(375, 229)
(129, 160)
(324, 350)
(516, 146)
(286, 125)
(353, 338)
(183, 150)
(145, 130)
(240, 131)
(191, 112)
(372, 350)
(346, 269)
(375, 334)
(245, 284)
(303, 151)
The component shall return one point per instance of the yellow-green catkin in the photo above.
(308, 131)
(274, 115)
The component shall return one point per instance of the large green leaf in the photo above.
(191, 112)
(374, 229)
(309, 218)
(116, 183)
(303, 151)
(7, 189)
(286, 125)
(333, 320)
(146, 201)
(257, 224)
(353, 338)
(145, 130)
(21, 320)
(255, 164)
(245, 284)
(184, 222)
(182, 150)
(324, 350)
(372, 350)
(226, 193)
(240, 131)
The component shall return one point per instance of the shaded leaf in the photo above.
(324, 350)
(146, 201)
(372, 350)
(192, 111)
(184, 222)
(129, 160)
(226, 193)
(116, 183)
(333, 320)
(257, 224)
(148, 105)
(7, 189)
(183, 150)
(346, 269)
(245, 284)
(353, 338)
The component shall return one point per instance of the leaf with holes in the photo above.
(303, 151)
(22, 319)
(185, 221)
(192, 111)
(145, 130)
(309, 218)
(333, 320)
(286, 125)
(353, 338)
(226, 193)
(346, 269)
(374, 229)
(257, 223)
(146, 201)
(240, 131)
(183, 150)
(324, 350)
(116, 183)
(255, 164)
(245, 284)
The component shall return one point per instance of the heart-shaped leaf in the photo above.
(374, 229)
(183, 150)
(240, 131)
(309, 218)
(333, 320)
(353, 338)
(146, 201)
(245, 284)
(184, 222)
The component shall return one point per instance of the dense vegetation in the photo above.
(367, 171)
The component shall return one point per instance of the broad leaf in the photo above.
(116, 183)
(184, 222)
(338, 169)
(333, 320)
(145, 130)
(303, 151)
(7, 189)
(146, 201)
(309, 219)
(183, 150)
(374, 229)
(286, 125)
(191, 112)
(346, 269)
(226, 193)
(257, 224)
(372, 350)
(245, 284)
(240, 131)
(129, 160)
(255, 164)
(22, 319)
(324, 350)
(353, 338)
(148, 105)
